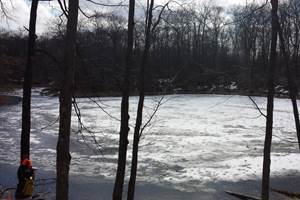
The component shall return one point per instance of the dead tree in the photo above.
(27, 84)
(270, 105)
(124, 128)
(63, 155)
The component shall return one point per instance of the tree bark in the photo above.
(63, 155)
(27, 84)
(124, 127)
(139, 118)
(270, 105)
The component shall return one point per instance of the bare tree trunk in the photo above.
(136, 139)
(63, 155)
(26, 104)
(252, 65)
(293, 90)
(124, 128)
(203, 53)
(270, 105)
(139, 118)
(296, 50)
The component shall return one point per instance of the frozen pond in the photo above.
(193, 140)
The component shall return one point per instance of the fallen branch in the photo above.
(241, 196)
(287, 193)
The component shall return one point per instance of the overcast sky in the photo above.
(19, 10)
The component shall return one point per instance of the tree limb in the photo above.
(108, 5)
(256, 106)
(63, 8)
(159, 103)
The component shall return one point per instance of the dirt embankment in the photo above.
(9, 100)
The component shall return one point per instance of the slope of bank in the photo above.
(96, 187)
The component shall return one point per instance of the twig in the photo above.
(4, 11)
(159, 103)
(256, 106)
(81, 126)
(107, 113)
(85, 14)
(155, 24)
(50, 124)
(108, 5)
(247, 15)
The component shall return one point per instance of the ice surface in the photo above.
(193, 139)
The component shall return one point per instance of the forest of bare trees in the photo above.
(195, 48)
(188, 48)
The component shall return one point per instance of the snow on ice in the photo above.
(193, 139)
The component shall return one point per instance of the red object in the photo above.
(9, 197)
(27, 162)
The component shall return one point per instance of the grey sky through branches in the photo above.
(18, 11)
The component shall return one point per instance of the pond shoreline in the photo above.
(9, 97)
(96, 187)
(9, 100)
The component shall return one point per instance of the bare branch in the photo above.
(159, 16)
(158, 105)
(82, 127)
(3, 9)
(65, 5)
(242, 18)
(85, 14)
(63, 8)
(107, 113)
(256, 106)
(50, 124)
(108, 5)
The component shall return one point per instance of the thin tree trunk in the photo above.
(139, 118)
(124, 128)
(293, 90)
(203, 54)
(248, 65)
(270, 105)
(135, 149)
(63, 155)
(252, 65)
(26, 104)
(296, 46)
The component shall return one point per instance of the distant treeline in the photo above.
(197, 48)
